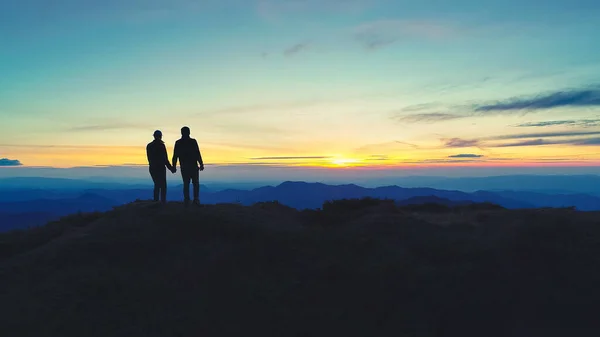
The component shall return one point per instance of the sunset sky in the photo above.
(301, 82)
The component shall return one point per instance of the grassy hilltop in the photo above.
(354, 268)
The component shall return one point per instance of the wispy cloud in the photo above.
(414, 146)
(588, 141)
(104, 127)
(545, 135)
(467, 155)
(576, 138)
(381, 33)
(378, 157)
(584, 97)
(540, 142)
(296, 49)
(428, 117)
(58, 146)
(423, 107)
(534, 142)
(443, 161)
(584, 123)
(5, 162)
(567, 98)
(290, 158)
(459, 142)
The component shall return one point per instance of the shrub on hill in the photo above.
(428, 208)
(346, 205)
(484, 206)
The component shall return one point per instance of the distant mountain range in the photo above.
(312, 195)
(542, 183)
(32, 207)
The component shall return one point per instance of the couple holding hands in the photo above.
(188, 153)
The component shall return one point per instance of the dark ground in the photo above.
(354, 269)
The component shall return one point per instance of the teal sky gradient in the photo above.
(343, 79)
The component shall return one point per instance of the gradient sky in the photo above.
(302, 82)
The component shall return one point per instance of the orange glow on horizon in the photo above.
(83, 155)
(354, 165)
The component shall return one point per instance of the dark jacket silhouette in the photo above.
(159, 162)
(188, 153)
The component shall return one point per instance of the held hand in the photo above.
(201, 168)
(174, 170)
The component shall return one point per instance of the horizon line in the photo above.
(345, 167)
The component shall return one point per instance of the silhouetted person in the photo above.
(159, 162)
(188, 153)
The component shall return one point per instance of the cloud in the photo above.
(382, 33)
(296, 49)
(441, 161)
(467, 155)
(289, 158)
(459, 142)
(566, 98)
(264, 163)
(422, 107)
(594, 141)
(588, 141)
(104, 127)
(539, 142)
(545, 135)
(428, 117)
(414, 146)
(526, 139)
(58, 146)
(377, 157)
(584, 97)
(534, 142)
(530, 139)
(5, 162)
(571, 122)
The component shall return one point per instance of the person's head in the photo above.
(157, 135)
(185, 131)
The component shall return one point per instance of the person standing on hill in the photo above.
(159, 162)
(188, 153)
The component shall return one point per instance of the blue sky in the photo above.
(302, 82)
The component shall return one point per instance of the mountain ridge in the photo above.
(297, 194)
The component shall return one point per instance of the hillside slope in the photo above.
(356, 268)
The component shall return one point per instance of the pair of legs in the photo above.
(159, 177)
(191, 174)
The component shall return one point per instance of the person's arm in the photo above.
(199, 156)
(175, 156)
(166, 158)
(148, 153)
